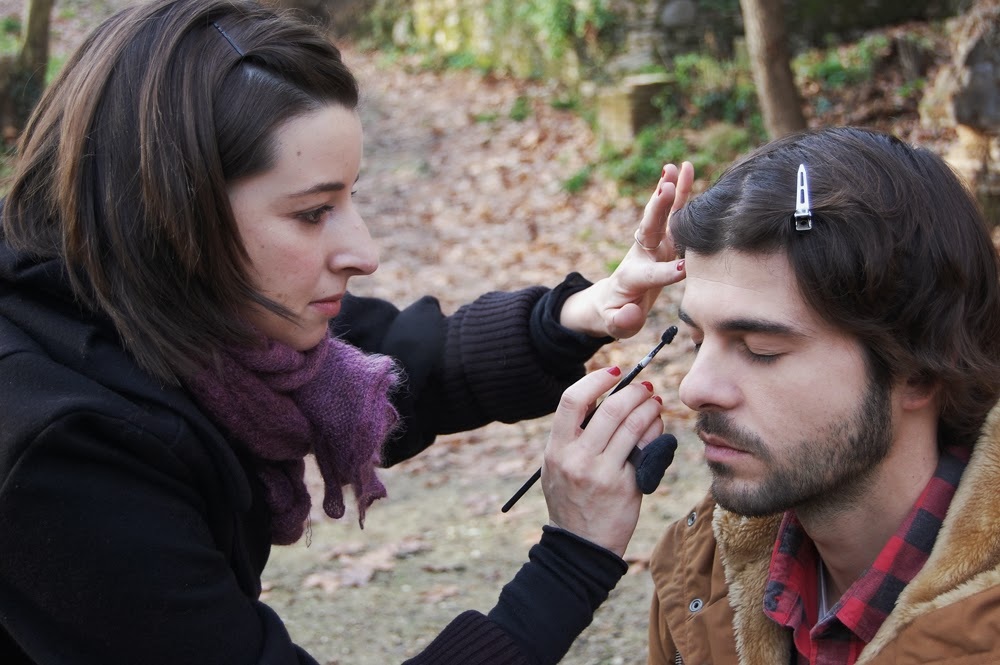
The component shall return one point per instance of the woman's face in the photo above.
(300, 228)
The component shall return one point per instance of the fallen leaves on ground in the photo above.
(357, 566)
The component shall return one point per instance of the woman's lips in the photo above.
(328, 307)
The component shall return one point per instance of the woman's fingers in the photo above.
(620, 423)
(620, 303)
(639, 283)
(684, 183)
(576, 402)
(671, 194)
(653, 225)
(589, 486)
(654, 430)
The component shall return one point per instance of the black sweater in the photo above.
(132, 532)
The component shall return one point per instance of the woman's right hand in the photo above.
(589, 485)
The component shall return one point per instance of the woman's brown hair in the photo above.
(899, 256)
(124, 165)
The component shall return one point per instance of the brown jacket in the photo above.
(709, 570)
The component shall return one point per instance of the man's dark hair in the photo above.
(124, 166)
(899, 256)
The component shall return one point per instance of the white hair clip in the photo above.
(803, 217)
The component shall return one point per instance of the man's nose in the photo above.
(708, 385)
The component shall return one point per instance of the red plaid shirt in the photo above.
(792, 596)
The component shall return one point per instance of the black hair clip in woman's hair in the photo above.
(803, 217)
(229, 39)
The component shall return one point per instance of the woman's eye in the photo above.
(314, 216)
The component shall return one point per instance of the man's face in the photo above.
(787, 410)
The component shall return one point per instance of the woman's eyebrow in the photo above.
(322, 187)
(319, 188)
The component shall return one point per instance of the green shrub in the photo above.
(10, 25)
(570, 103)
(837, 67)
(709, 150)
(578, 181)
(521, 110)
(708, 90)
(638, 169)
(718, 146)
(912, 88)
(460, 60)
(10, 35)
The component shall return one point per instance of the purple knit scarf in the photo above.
(281, 404)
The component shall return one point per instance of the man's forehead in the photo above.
(738, 286)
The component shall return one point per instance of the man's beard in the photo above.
(819, 475)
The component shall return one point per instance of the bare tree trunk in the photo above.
(24, 76)
(34, 55)
(780, 102)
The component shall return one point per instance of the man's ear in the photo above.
(918, 392)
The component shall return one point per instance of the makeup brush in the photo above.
(637, 456)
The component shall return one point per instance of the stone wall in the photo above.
(965, 95)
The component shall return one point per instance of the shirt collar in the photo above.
(792, 597)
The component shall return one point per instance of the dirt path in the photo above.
(464, 199)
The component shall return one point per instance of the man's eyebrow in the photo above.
(686, 318)
(748, 325)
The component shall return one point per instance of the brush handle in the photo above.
(590, 414)
(524, 488)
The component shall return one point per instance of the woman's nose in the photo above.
(356, 251)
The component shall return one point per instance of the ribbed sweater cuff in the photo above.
(553, 597)
(471, 639)
(562, 350)
(491, 370)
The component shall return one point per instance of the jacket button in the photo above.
(696, 605)
(691, 518)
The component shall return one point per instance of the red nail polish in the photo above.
(649, 386)
(658, 399)
(680, 265)
(614, 371)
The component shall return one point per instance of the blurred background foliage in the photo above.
(852, 61)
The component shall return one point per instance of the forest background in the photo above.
(479, 176)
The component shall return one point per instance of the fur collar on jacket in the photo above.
(965, 561)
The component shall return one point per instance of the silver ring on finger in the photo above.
(645, 247)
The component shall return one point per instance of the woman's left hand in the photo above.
(617, 305)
